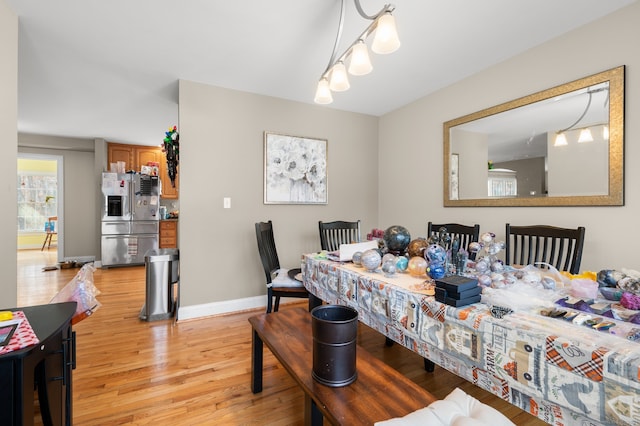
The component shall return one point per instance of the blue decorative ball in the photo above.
(402, 263)
(436, 270)
(436, 253)
(397, 238)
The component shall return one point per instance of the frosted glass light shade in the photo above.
(386, 39)
(360, 63)
(323, 94)
(561, 140)
(339, 81)
(585, 136)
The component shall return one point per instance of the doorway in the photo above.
(40, 196)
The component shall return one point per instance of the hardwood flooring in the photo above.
(197, 372)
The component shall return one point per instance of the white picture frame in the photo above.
(295, 169)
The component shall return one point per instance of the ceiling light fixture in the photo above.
(335, 77)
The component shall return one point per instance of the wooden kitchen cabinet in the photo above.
(168, 234)
(117, 152)
(135, 156)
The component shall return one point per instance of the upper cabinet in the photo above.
(135, 156)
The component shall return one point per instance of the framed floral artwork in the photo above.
(295, 169)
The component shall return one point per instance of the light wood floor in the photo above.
(193, 372)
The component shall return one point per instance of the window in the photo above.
(37, 200)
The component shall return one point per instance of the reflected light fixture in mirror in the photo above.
(585, 135)
(522, 133)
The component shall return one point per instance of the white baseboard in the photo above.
(226, 307)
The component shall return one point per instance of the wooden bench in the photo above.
(379, 392)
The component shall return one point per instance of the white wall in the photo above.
(9, 157)
(221, 155)
(411, 139)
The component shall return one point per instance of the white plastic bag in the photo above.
(81, 290)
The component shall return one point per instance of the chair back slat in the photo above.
(467, 234)
(559, 247)
(332, 234)
(267, 249)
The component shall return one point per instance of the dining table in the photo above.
(559, 371)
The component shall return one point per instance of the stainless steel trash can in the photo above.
(162, 274)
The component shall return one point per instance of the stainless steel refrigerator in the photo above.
(130, 215)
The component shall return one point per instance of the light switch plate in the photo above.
(227, 202)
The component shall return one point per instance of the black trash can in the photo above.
(334, 329)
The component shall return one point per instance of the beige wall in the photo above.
(221, 155)
(8, 159)
(411, 139)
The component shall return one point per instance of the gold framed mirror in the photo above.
(562, 146)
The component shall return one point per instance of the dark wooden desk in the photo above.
(46, 366)
(379, 393)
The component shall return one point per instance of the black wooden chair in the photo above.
(559, 247)
(332, 234)
(271, 265)
(466, 234)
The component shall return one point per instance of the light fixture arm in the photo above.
(371, 17)
(333, 60)
(581, 117)
(338, 37)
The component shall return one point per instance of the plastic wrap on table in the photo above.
(82, 290)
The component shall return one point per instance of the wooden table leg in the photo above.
(429, 365)
(256, 363)
(312, 416)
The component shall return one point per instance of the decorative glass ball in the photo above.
(397, 238)
(497, 266)
(357, 258)
(436, 253)
(402, 263)
(388, 258)
(371, 260)
(475, 247)
(417, 246)
(487, 237)
(417, 266)
(436, 270)
(484, 280)
(482, 265)
(389, 268)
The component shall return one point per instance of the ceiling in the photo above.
(110, 69)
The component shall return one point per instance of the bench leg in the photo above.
(312, 416)
(256, 363)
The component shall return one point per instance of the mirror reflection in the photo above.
(562, 146)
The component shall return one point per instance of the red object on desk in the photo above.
(23, 337)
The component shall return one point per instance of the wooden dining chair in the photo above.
(559, 247)
(466, 233)
(50, 231)
(278, 283)
(332, 234)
